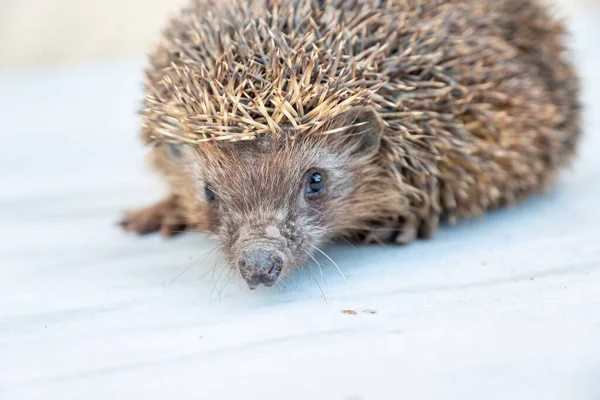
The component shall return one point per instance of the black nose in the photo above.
(260, 266)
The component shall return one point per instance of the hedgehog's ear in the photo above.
(365, 125)
(174, 150)
(177, 152)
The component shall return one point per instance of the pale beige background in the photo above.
(47, 32)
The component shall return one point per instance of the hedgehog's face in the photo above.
(273, 204)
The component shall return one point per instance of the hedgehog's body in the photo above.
(410, 110)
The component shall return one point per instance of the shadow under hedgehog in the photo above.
(280, 125)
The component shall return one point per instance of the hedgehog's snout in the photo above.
(259, 265)
(260, 253)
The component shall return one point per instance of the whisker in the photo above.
(334, 263)
(319, 286)
(231, 275)
(180, 274)
(297, 278)
(350, 243)
(214, 281)
(279, 285)
(313, 257)
(219, 248)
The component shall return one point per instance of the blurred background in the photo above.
(36, 33)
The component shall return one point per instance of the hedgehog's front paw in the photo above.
(401, 230)
(407, 229)
(164, 216)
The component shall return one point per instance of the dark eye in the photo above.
(315, 184)
(210, 195)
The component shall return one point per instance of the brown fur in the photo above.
(416, 110)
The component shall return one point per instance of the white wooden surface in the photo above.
(507, 307)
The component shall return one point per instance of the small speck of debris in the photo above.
(353, 312)
(200, 337)
(531, 278)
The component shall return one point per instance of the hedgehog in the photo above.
(281, 125)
